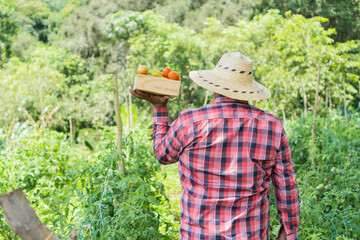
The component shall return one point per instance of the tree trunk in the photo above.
(23, 220)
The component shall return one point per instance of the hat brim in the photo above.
(210, 80)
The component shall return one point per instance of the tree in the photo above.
(286, 51)
(193, 13)
(8, 28)
(38, 15)
(342, 15)
(165, 44)
(55, 77)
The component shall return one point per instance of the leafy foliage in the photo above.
(193, 13)
(72, 188)
(54, 77)
(342, 15)
(286, 53)
(333, 186)
(124, 25)
(65, 52)
(8, 28)
(120, 207)
(160, 46)
(44, 165)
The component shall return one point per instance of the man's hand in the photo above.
(282, 234)
(156, 100)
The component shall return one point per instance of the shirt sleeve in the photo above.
(168, 140)
(286, 190)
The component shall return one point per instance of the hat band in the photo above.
(234, 72)
(240, 71)
(226, 88)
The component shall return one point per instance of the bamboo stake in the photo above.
(118, 124)
(284, 116)
(330, 105)
(206, 97)
(46, 109)
(126, 105)
(315, 109)
(50, 117)
(131, 113)
(71, 130)
(346, 120)
(10, 130)
(327, 98)
(42, 108)
(304, 97)
(26, 113)
(274, 103)
(128, 116)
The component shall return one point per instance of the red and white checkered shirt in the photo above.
(227, 152)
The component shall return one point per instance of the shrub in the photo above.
(123, 207)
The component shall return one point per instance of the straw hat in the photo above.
(232, 77)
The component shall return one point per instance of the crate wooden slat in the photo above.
(157, 85)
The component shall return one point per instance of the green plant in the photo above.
(122, 207)
(44, 165)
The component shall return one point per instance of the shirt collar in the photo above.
(221, 98)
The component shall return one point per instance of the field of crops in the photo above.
(71, 187)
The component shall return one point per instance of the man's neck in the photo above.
(216, 95)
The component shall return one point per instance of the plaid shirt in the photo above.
(227, 152)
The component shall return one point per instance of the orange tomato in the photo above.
(174, 75)
(166, 72)
(142, 69)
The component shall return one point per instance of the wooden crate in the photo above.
(157, 85)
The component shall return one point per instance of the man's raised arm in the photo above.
(168, 140)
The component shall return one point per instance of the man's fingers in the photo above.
(152, 98)
(135, 94)
(144, 94)
(165, 98)
(140, 94)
